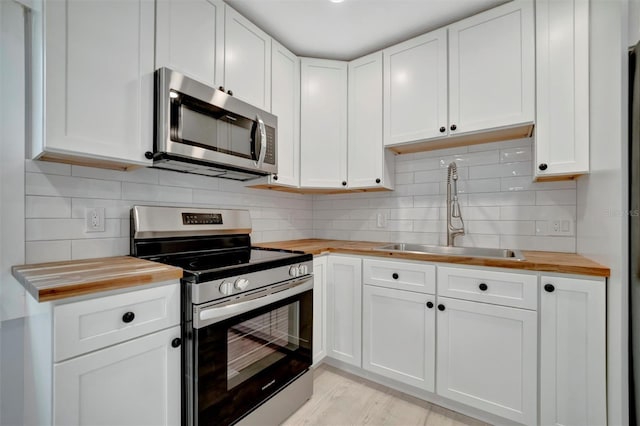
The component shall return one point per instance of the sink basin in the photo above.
(492, 253)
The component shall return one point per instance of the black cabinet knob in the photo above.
(275, 177)
(441, 307)
(429, 305)
(453, 127)
(229, 92)
(128, 317)
(344, 183)
(549, 288)
(543, 166)
(148, 155)
(221, 88)
(378, 180)
(395, 276)
(176, 342)
(483, 287)
(443, 129)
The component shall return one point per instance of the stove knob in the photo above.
(293, 271)
(226, 288)
(241, 284)
(303, 269)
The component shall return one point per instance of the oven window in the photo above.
(257, 343)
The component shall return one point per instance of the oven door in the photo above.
(246, 350)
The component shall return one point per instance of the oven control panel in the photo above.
(216, 289)
(201, 219)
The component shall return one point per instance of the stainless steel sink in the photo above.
(492, 253)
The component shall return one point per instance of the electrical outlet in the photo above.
(556, 227)
(94, 219)
(381, 220)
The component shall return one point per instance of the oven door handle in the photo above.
(211, 315)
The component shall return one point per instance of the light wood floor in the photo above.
(341, 398)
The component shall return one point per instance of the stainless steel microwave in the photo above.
(203, 130)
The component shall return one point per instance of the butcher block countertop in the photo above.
(59, 280)
(567, 263)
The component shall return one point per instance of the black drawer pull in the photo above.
(483, 287)
(176, 342)
(128, 317)
(395, 276)
(441, 307)
(429, 305)
(549, 287)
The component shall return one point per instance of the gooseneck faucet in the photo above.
(453, 207)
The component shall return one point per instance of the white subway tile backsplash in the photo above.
(47, 207)
(156, 193)
(68, 186)
(141, 175)
(47, 251)
(500, 170)
(47, 167)
(556, 197)
(500, 204)
(67, 229)
(99, 247)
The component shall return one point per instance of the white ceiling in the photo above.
(348, 30)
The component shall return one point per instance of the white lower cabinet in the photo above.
(487, 358)
(344, 309)
(572, 351)
(133, 383)
(319, 309)
(399, 335)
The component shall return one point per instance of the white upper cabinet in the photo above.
(98, 86)
(473, 80)
(415, 89)
(285, 104)
(247, 60)
(369, 165)
(323, 123)
(190, 38)
(562, 69)
(492, 69)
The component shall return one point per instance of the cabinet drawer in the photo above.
(500, 288)
(400, 275)
(84, 326)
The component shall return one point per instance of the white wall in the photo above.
(602, 235)
(500, 204)
(12, 125)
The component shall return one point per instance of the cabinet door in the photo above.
(323, 123)
(99, 79)
(399, 336)
(415, 89)
(562, 70)
(487, 358)
(285, 104)
(134, 383)
(366, 166)
(190, 38)
(319, 309)
(492, 69)
(247, 60)
(344, 309)
(572, 352)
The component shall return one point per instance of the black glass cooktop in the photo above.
(213, 265)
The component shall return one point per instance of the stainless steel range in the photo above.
(246, 314)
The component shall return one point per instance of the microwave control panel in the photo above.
(270, 156)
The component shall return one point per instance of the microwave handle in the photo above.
(263, 141)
